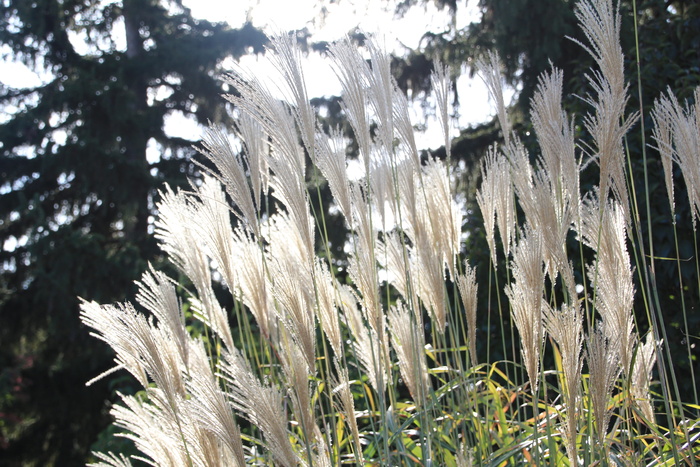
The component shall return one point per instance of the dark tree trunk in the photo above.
(135, 133)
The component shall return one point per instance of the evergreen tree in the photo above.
(77, 192)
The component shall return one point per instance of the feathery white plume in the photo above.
(286, 57)
(353, 72)
(603, 228)
(262, 405)
(603, 357)
(255, 155)
(409, 344)
(677, 132)
(490, 72)
(600, 22)
(644, 363)
(526, 300)
(217, 148)
(175, 230)
(440, 82)
(467, 286)
(330, 159)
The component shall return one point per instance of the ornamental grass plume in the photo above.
(252, 287)
(362, 263)
(444, 217)
(217, 148)
(409, 344)
(251, 134)
(327, 297)
(345, 405)
(331, 161)
(382, 188)
(262, 404)
(395, 262)
(211, 409)
(158, 295)
(287, 60)
(555, 135)
(526, 296)
(175, 229)
(603, 357)
(352, 72)
(490, 72)
(467, 286)
(600, 22)
(644, 362)
(214, 227)
(372, 359)
(677, 133)
(496, 202)
(565, 326)
(553, 203)
(604, 229)
(442, 87)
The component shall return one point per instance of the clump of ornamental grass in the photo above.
(375, 360)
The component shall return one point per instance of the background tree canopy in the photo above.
(77, 190)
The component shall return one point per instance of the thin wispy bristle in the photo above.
(157, 294)
(345, 403)
(381, 93)
(256, 148)
(178, 238)
(566, 328)
(443, 217)
(663, 134)
(372, 351)
(494, 195)
(253, 287)
(211, 409)
(404, 127)
(110, 460)
(326, 293)
(294, 294)
(212, 211)
(297, 373)
(362, 267)
(555, 134)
